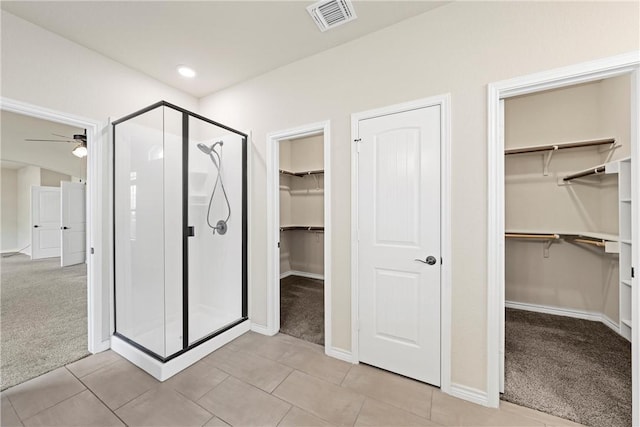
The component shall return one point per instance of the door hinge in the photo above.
(441, 262)
(92, 251)
(278, 245)
(357, 141)
(632, 273)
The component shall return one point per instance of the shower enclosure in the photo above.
(180, 234)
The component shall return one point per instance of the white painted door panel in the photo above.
(73, 220)
(399, 223)
(45, 222)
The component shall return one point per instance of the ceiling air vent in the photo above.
(331, 13)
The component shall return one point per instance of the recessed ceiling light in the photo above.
(186, 71)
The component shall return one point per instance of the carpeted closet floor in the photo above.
(302, 308)
(575, 369)
(43, 321)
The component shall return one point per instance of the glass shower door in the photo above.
(215, 213)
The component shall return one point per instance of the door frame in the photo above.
(444, 101)
(273, 228)
(628, 63)
(97, 313)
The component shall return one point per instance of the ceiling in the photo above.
(226, 42)
(17, 127)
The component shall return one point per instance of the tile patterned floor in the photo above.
(253, 381)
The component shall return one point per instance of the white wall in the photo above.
(458, 48)
(28, 176)
(49, 178)
(9, 210)
(44, 69)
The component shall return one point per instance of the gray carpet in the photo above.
(43, 319)
(302, 308)
(572, 368)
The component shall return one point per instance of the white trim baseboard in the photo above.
(567, 312)
(261, 329)
(341, 354)
(302, 274)
(610, 323)
(468, 393)
(10, 251)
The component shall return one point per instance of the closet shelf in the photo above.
(626, 282)
(302, 228)
(562, 234)
(302, 173)
(610, 242)
(560, 146)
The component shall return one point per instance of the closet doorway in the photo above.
(563, 242)
(299, 234)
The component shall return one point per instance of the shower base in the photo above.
(163, 371)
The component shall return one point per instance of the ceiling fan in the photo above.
(80, 139)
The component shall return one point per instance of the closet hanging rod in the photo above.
(598, 243)
(532, 236)
(592, 171)
(302, 228)
(560, 146)
(303, 173)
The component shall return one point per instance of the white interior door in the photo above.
(73, 223)
(45, 222)
(399, 243)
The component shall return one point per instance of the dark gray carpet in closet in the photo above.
(575, 369)
(302, 308)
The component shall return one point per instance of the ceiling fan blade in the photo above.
(61, 136)
(45, 140)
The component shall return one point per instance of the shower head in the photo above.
(207, 150)
(204, 148)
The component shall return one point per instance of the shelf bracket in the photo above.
(612, 148)
(547, 160)
(545, 249)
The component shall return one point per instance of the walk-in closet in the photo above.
(302, 238)
(568, 252)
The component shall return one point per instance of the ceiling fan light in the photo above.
(80, 151)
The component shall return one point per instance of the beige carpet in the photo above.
(572, 368)
(302, 308)
(43, 318)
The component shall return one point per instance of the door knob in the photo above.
(64, 228)
(36, 226)
(431, 260)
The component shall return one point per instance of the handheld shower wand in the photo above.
(216, 158)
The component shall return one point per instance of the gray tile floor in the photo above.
(253, 381)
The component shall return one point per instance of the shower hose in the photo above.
(221, 225)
